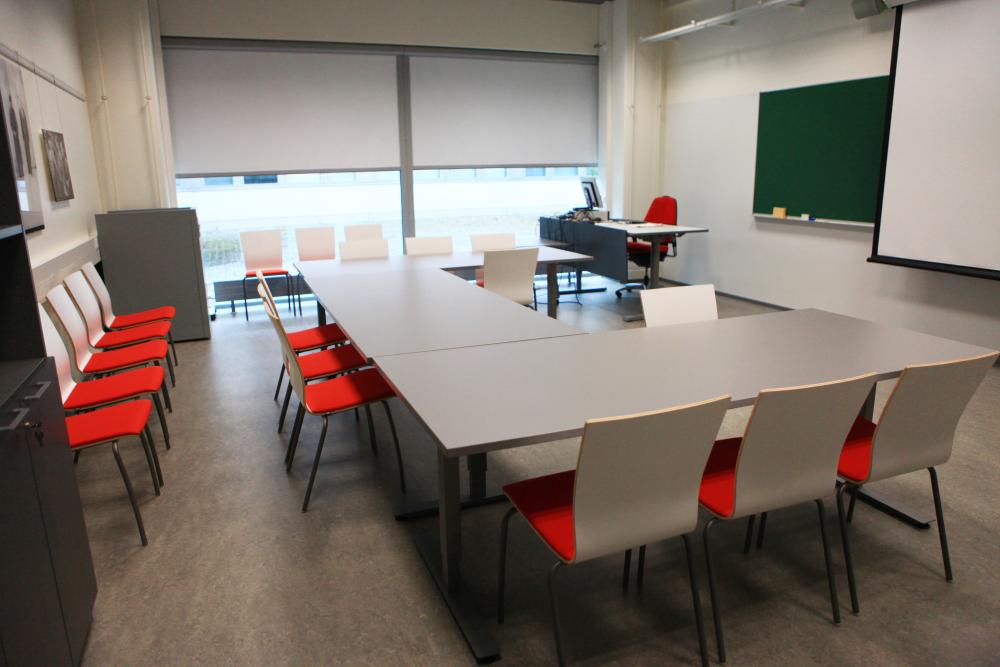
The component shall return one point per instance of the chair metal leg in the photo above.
(156, 457)
(288, 291)
(131, 494)
(170, 370)
(246, 311)
(555, 612)
(149, 462)
(626, 569)
(716, 616)
(293, 442)
(854, 499)
(845, 540)
(641, 568)
(940, 522)
(502, 570)
(312, 475)
(173, 348)
(163, 419)
(395, 439)
(281, 375)
(760, 530)
(696, 602)
(834, 602)
(166, 396)
(76, 457)
(371, 429)
(284, 407)
(749, 538)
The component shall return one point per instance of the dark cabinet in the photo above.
(47, 583)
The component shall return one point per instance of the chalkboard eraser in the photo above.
(779, 212)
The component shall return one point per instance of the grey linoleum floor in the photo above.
(235, 574)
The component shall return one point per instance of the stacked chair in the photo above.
(110, 372)
(327, 382)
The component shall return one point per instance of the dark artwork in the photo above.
(55, 158)
(13, 106)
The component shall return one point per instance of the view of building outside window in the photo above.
(460, 202)
(448, 202)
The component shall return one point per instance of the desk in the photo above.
(420, 310)
(549, 259)
(736, 356)
(605, 242)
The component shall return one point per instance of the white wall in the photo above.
(709, 136)
(525, 25)
(44, 31)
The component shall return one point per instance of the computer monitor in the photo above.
(591, 194)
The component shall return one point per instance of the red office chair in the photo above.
(663, 210)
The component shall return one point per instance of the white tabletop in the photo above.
(419, 310)
(651, 228)
(546, 389)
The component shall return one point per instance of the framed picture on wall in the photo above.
(14, 107)
(58, 165)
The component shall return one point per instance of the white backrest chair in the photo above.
(678, 305)
(262, 249)
(917, 427)
(316, 243)
(72, 323)
(793, 441)
(362, 232)
(511, 273)
(288, 356)
(484, 242)
(365, 249)
(86, 301)
(101, 290)
(56, 348)
(429, 245)
(637, 476)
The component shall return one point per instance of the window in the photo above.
(457, 203)
(218, 180)
(286, 202)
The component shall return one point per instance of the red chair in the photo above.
(339, 394)
(90, 307)
(787, 456)
(114, 322)
(916, 430)
(262, 251)
(110, 425)
(636, 482)
(663, 210)
(90, 394)
(96, 364)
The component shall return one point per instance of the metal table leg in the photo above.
(551, 271)
(443, 561)
(654, 272)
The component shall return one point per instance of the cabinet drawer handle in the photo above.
(16, 421)
(42, 386)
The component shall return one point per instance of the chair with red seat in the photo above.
(114, 322)
(262, 252)
(916, 430)
(787, 456)
(109, 425)
(93, 364)
(663, 210)
(636, 482)
(320, 364)
(90, 394)
(328, 397)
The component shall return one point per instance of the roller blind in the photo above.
(238, 112)
(476, 111)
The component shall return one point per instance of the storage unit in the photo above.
(152, 257)
(47, 584)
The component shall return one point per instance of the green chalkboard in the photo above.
(819, 149)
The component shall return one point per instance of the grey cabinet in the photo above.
(152, 258)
